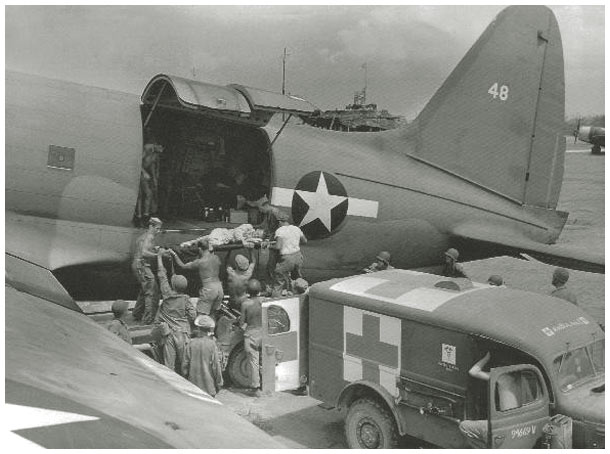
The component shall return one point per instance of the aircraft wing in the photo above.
(55, 244)
(70, 383)
(507, 242)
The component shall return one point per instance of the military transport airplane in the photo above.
(594, 135)
(479, 169)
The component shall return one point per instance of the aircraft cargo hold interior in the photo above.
(195, 167)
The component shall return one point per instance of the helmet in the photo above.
(453, 253)
(561, 275)
(179, 283)
(242, 262)
(496, 280)
(384, 256)
(301, 285)
(254, 287)
(119, 307)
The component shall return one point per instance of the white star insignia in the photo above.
(320, 204)
(25, 417)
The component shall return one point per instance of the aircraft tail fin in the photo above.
(497, 120)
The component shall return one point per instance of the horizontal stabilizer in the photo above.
(508, 242)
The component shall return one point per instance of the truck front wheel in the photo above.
(238, 368)
(370, 425)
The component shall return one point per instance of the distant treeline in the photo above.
(591, 120)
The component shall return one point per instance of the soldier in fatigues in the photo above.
(560, 279)
(251, 321)
(177, 313)
(202, 365)
(118, 325)
(145, 253)
(452, 268)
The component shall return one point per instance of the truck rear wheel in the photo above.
(237, 367)
(370, 425)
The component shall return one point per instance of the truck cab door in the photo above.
(282, 344)
(518, 407)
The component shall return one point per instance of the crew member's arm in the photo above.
(186, 362)
(242, 317)
(217, 368)
(476, 371)
(191, 312)
(279, 241)
(303, 239)
(188, 266)
(166, 289)
(460, 269)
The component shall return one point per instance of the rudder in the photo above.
(497, 120)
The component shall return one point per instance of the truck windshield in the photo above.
(578, 366)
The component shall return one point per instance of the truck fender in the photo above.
(362, 388)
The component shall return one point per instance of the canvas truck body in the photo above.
(400, 344)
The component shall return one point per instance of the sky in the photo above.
(409, 50)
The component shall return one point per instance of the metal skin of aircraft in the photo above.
(479, 169)
(70, 383)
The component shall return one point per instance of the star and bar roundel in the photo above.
(319, 204)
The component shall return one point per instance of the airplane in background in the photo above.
(594, 135)
(480, 169)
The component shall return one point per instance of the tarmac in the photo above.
(294, 421)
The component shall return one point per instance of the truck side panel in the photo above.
(438, 356)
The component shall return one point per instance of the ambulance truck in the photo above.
(393, 349)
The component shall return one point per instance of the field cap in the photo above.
(156, 222)
(205, 321)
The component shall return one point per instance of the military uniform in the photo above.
(177, 312)
(565, 294)
(119, 327)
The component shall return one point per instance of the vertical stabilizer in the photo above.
(497, 120)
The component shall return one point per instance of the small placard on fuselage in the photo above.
(61, 158)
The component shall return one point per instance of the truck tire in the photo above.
(369, 425)
(237, 367)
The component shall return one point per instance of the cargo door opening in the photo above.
(205, 152)
(198, 170)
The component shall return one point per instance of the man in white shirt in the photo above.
(290, 259)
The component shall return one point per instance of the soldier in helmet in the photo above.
(120, 309)
(382, 262)
(452, 268)
(560, 278)
(174, 317)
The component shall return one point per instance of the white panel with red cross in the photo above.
(371, 347)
